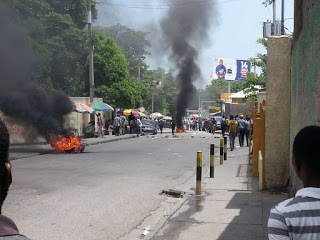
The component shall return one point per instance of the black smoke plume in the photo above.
(21, 98)
(185, 30)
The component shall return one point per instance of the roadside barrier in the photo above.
(225, 148)
(221, 150)
(211, 160)
(199, 173)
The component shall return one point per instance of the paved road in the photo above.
(103, 193)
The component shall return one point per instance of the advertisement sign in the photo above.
(230, 69)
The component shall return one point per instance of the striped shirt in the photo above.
(296, 218)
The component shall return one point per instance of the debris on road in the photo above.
(173, 193)
(145, 232)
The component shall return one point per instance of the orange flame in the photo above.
(180, 130)
(63, 144)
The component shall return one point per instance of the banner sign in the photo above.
(230, 69)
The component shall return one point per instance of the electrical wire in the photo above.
(158, 6)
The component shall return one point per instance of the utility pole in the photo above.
(152, 102)
(282, 18)
(199, 98)
(274, 11)
(91, 49)
(139, 71)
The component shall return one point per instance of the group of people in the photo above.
(120, 125)
(237, 126)
(207, 125)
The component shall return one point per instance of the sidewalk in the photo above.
(231, 207)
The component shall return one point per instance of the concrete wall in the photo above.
(305, 103)
(277, 135)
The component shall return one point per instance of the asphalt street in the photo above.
(104, 192)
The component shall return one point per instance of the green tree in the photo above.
(214, 90)
(112, 79)
(134, 45)
(76, 9)
(261, 58)
(161, 88)
(55, 29)
(110, 63)
(124, 94)
(66, 44)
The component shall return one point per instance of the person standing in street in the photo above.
(161, 124)
(8, 229)
(139, 125)
(248, 129)
(122, 124)
(173, 125)
(131, 122)
(298, 217)
(116, 124)
(223, 125)
(233, 128)
(100, 125)
(214, 126)
(242, 126)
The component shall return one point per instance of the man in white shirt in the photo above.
(299, 217)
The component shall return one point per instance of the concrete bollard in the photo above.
(199, 173)
(211, 160)
(225, 148)
(221, 150)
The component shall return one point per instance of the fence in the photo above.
(257, 141)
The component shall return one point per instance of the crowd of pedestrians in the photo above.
(235, 126)
(201, 124)
(238, 126)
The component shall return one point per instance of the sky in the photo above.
(235, 27)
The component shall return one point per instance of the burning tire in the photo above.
(67, 144)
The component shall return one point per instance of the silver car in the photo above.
(218, 120)
(149, 126)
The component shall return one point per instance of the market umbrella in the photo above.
(156, 115)
(82, 108)
(167, 118)
(101, 106)
(127, 112)
(141, 114)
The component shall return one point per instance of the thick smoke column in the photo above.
(185, 30)
(21, 98)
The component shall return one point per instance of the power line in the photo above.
(166, 6)
(159, 5)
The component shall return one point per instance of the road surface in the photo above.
(103, 193)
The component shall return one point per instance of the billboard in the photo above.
(230, 69)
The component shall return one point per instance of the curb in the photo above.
(86, 144)
(109, 140)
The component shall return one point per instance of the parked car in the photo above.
(218, 119)
(149, 126)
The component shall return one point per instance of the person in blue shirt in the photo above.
(221, 70)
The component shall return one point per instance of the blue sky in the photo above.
(236, 25)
